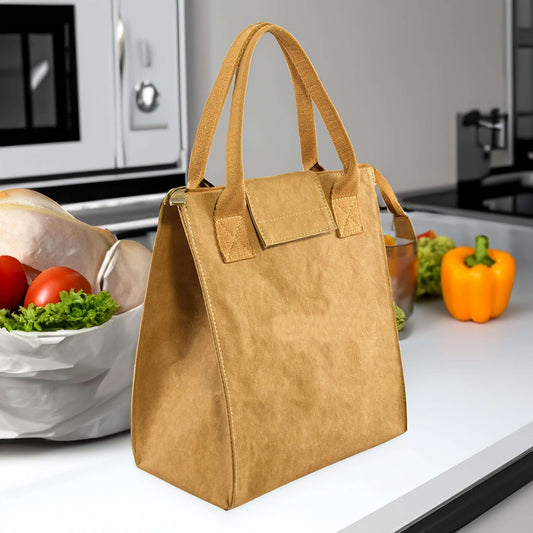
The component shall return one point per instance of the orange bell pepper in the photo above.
(477, 282)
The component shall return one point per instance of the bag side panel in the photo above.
(308, 338)
(179, 418)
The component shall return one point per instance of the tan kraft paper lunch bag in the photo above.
(268, 345)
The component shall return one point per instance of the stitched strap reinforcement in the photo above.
(233, 241)
(346, 212)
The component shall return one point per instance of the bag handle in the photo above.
(215, 104)
(231, 204)
(402, 223)
(305, 110)
(306, 124)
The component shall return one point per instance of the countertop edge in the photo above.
(410, 508)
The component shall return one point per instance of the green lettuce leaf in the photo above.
(76, 310)
(400, 317)
(430, 254)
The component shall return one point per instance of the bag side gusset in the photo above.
(179, 417)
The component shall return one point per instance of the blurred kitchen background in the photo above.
(398, 72)
(100, 99)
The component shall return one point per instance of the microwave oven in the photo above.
(92, 94)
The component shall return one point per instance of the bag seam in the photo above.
(343, 197)
(291, 215)
(382, 251)
(310, 173)
(348, 214)
(140, 348)
(271, 240)
(246, 255)
(220, 188)
(220, 358)
(261, 231)
(323, 200)
(227, 218)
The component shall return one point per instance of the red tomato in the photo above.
(12, 282)
(47, 286)
(431, 234)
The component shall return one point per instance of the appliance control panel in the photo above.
(149, 81)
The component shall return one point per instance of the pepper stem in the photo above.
(481, 253)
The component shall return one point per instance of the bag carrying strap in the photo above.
(306, 125)
(231, 207)
(215, 104)
(402, 223)
(344, 191)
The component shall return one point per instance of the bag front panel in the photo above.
(308, 340)
(179, 417)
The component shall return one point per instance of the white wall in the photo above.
(397, 71)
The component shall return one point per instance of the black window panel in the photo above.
(47, 86)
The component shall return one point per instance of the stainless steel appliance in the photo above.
(481, 190)
(495, 150)
(93, 104)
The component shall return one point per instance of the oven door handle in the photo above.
(131, 227)
(120, 36)
(121, 41)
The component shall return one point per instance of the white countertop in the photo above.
(470, 411)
